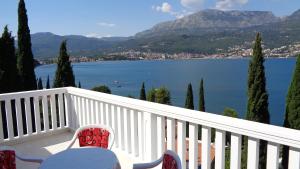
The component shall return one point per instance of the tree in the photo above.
(103, 89)
(25, 56)
(48, 83)
(230, 112)
(79, 84)
(201, 97)
(64, 76)
(143, 92)
(292, 110)
(151, 95)
(257, 107)
(8, 63)
(189, 101)
(163, 96)
(189, 104)
(40, 84)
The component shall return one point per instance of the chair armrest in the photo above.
(147, 165)
(30, 159)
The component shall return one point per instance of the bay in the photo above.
(225, 80)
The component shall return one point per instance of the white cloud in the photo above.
(105, 24)
(229, 4)
(96, 35)
(167, 8)
(192, 4)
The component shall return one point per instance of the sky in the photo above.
(106, 18)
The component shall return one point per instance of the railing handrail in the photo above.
(257, 130)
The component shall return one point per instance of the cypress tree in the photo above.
(8, 63)
(201, 97)
(257, 107)
(143, 92)
(25, 56)
(40, 84)
(48, 83)
(79, 84)
(189, 101)
(64, 76)
(292, 111)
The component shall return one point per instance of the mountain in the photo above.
(46, 45)
(206, 32)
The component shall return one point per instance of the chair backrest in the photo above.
(7, 159)
(171, 160)
(94, 135)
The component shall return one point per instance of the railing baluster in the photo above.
(193, 146)
(253, 153)
(97, 111)
(1, 124)
(73, 112)
(115, 124)
(294, 158)
(161, 128)
(19, 118)
(134, 133)
(171, 134)
(61, 110)
(10, 129)
(206, 140)
(37, 114)
(69, 111)
(141, 134)
(127, 131)
(28, 115)
(93, 116)
(272, 155)
(220, 149)
(88, 111)
(181, 141)
(84, 111)
(103, 118)
(150, 136)
(235, 151)
(121, 128)
(108, 115)
(45, 113)
(53, 111)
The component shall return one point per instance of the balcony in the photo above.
(42, 122)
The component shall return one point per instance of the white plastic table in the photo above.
(82, 158)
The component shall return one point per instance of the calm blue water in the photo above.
(225, 80)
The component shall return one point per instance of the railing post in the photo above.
(253, 153)
(69, 111)
(294, 158)
(181, 141)
(193, 146)
(150, 121)
(206, 140)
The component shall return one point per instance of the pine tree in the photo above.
(201, 97)
(48, 83)
(8, 63)
(64, 76)
(79, 84)
(40, 84)
(292, 111)
(25, 56)
(257, 107)
(143, 92)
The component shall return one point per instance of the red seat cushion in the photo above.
(7, 159)
(169, 162)
(93, 137)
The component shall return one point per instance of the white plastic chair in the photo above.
(168, 154)
(4, 149)
(93, 126)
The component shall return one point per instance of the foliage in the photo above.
(79, 85)
(151, 95)
(230, 112)
(9, 81)
(201, 97)
(64, 76)
(160, 95)
(292, 111)
(25, 57)
(257, 107)
(189, 101)
(103, 89)
(40, 84)
(143, 92)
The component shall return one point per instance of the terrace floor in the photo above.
(46, 146)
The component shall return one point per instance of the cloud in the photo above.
(192, 4)
(167, 8)
(229, 4)
(105, 24)
(96, 35)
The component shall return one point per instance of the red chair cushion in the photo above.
(93, 137)
(7, 159)
(169, 162)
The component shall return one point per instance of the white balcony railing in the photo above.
(140, 127)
